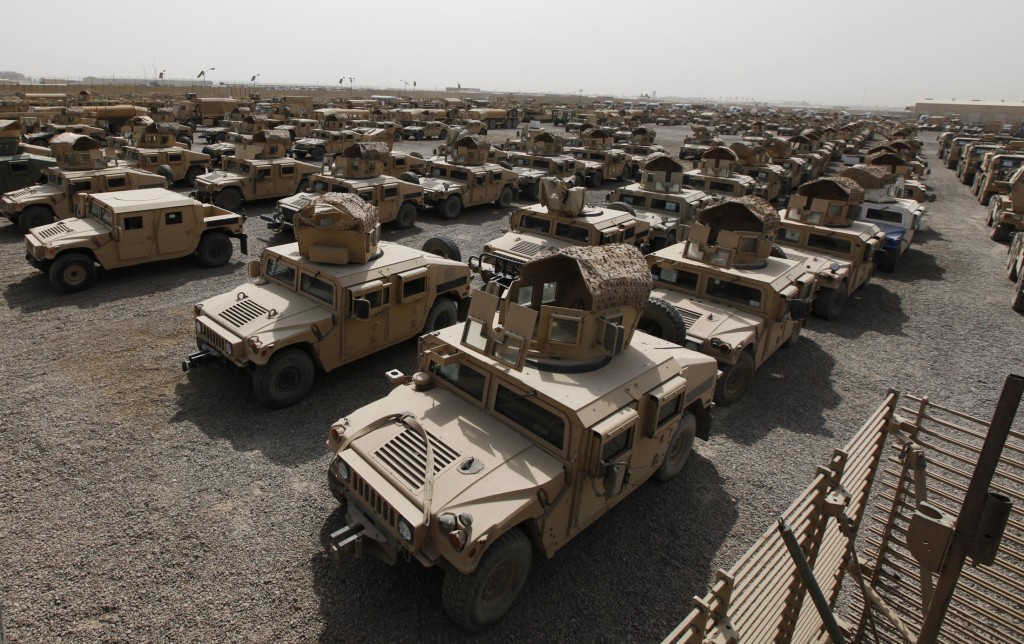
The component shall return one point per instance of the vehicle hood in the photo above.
(71, 232)
(268, 310)
(706, 319)
(218, 177)
(308, 142)
(892, 231)
(524, 246)
(439, 184)
(31, 193)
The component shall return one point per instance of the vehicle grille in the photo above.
(373, 500)
(243, 312)
(213, 339)
(690, 316)
(54, 229)
(526, 248)
(405, 456)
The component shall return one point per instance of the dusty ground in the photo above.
(137, 502)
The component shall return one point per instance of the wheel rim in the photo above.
(74, 274)
(500, 582)
(678, 446)
(288, 380)
(735, 381)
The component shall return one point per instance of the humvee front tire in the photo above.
(597, 179)
(214, 250)
(444, 246)
(1001, 232)
(285, 379)
(892, 257)
(318, 153)
(505, 198)
(623, 207)
(735, 380)
(831, 302)
(33, 217)
(662, 320)
(229, 199)
(450, 207)
(442, 314)
(184, 138)
(1017, 303)
(166, 172)
(481, 598)
(193, 173)
(406, 216)
(680, 446)
(72, 272)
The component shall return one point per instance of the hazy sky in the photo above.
(871, 52)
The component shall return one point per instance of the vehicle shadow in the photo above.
(9, 232)
(872, 308)
(285, 436)
(676, 526)
(925, 236)
(917, 265)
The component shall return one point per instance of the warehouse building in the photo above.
(971, 111)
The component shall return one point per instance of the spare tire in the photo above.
(662, 320)
(444, 246)
(165, 171)
(411, 177)
(623, 206)
(505, 164)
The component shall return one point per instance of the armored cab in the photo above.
(341, 294)
(772, 181)
(1006, 214)
(597, 160)
(466, 178)
(701, 139)
(544, 157)
(519, 429)
(717, 173)
(157, 150)
(820, 229)
(908, 185)
(995, 171)
(780, 153)
(641, 147)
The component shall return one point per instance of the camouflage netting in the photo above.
(548, 137)
(280, 137)
(661, 162)
(616, 275)
(776, 147)
(10, 128)
(880, 148)
(743, 214)
(162, 128)
(885, 158)
(799, 139)
(337, 211)
(140, 121)
(71, 142)
(597, 133)
(832, 189)
(720, 153)
(472, 141)
(870, 177)
(643, 131)
(745, 153)
(367, 151)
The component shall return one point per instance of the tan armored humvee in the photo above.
(1006, 212)
(298, 128)
(721, 292)
(771, 182)
(464, 178)
(323, 143)
(259, 170)
(82, 168)
(561, 219)
(994, 174)
(337, 294)
(660, 200)
(641, 147)
(701, 139)
(717, 174)
(157, 150)
(544, 157)
(519, 430)
(820, 230)
(128, 228)
(599, 160)
(359, 171)
(420, 130)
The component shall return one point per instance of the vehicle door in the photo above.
(606, 474)
(176, 160)
(264, 181)
(136, 235)
(175, 231)
(367, 319)
(387, 201)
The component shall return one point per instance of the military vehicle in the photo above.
(771, 181)
(82, 168)
(970, 160)
(257, 171)
(640, 146)
(1014, 270)
(324, 143)
(298, 128)
(17, 169)
(495, 118)
(157, 150)
(820, 230)
(660, 200)
(464, 178)
(561, 219)
(337, 294)
(993, 177)
(519, 430)
(544, 157)
(357, 171)
(722, 292)
(1006, 212)
(129, 228)
(701, 139)
(599, 160)
(420, 130)
(956, 147)
(717, 174)
(898, 218)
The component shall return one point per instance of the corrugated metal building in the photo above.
(1009, 112)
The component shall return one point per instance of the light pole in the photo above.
(406, 86)
(581, 97)
(162, 75)
(202, 75)
(253, 81)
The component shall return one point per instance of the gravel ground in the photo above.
(140, 503)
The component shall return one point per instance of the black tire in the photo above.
(211, 152)
(481, 598)
(221, 137)
(398, 135)
(444, 246)
(662, 320)
(194, 173)
(680, 446)
(505, 198)
(831, 302)
(33, 217)
(318, 153)
(627, 173)
(777, 251)
(229, 199)
(443, 313)
(166, 172)
(1001, 232)
(623, 206)
(442, 135)
(505, 164)
(450, 207)
(735, 380)
(597, 179)
(72, 272)
(533, 191)
(418, 155)
(891, 259)
(406, 217)
(303, 186)
(214, 250)
(184, 138)
(483, 131)
(989, 218)
(285, 379)
(410, 177)
(1017, 302)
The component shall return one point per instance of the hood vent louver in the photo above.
(243, 312)
(405, 456)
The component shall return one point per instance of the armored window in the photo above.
(565, 330)
(747, 244)
(611, 238)
(733, 292)
(575, 233)
(412, 284)
(616, 446)
(459, 175)
(439, 172)
(78, 186)
(174, 157)
(523, 411)
(172, 218)
(287, 170)
(890, 216)
(116, 182)
(720, 186)
(390, 193)
(152, 158)
(826, 242)
(318, 288)
(535, 223)
(633, 200)
(835, 210)
(790, 235)
(549, 293)
(133, 223)
(263, 173)
(684, 279)
(664, 204)
(18, 168)
(668, 409)
(628, 233)
(399, 162)
(366, 196)
(280, 272)
(464, 377)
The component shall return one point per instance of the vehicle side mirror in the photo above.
(115, 233)
(361, 308)
(798, 309)
(254, 268)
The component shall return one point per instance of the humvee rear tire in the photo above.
(892, 257)
(406, 216)
(442, 314)
(1001, 232)
(505, 198)
(735, 380)
(627, 172)
(477, 600)
(444, 246)
(442, 135)
(193, 173)
(411, 177)
(623, 206)
(214, 250)
(166, 172)
(33, 217)
(597, 179)
(831, 302)
(229, 199)
(680, 446)
(662, 320)
(1017, 303)
(450, 207)
(72, 272)
(285, 380)
(318, 153)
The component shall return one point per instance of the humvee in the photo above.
(519, 430)
(18, 170)
(324, 143)
(129, 228)
(157, 150)
(561, 219)
(717, 174)
(700, 140)
(542, 158)
(820, 230)
(956, 147)
(722, 293)
(337, 294)
(257, 171)
(357, 171)
(898, 218)
(660, 200)
(970, 160)
(640, 146)
(994, 175)
(82, 168)
(464, 178)
(137, 128)
(299, 128)
(1006, 212)
(495, 118)
(771, 181)
(599, 160)
(1015, 271)
(420, 130)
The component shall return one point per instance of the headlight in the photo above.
(341, 469)
(199, 327)
(228, 350)
(404, 529)
(693, 346)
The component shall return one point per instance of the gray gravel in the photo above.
(138, 503)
